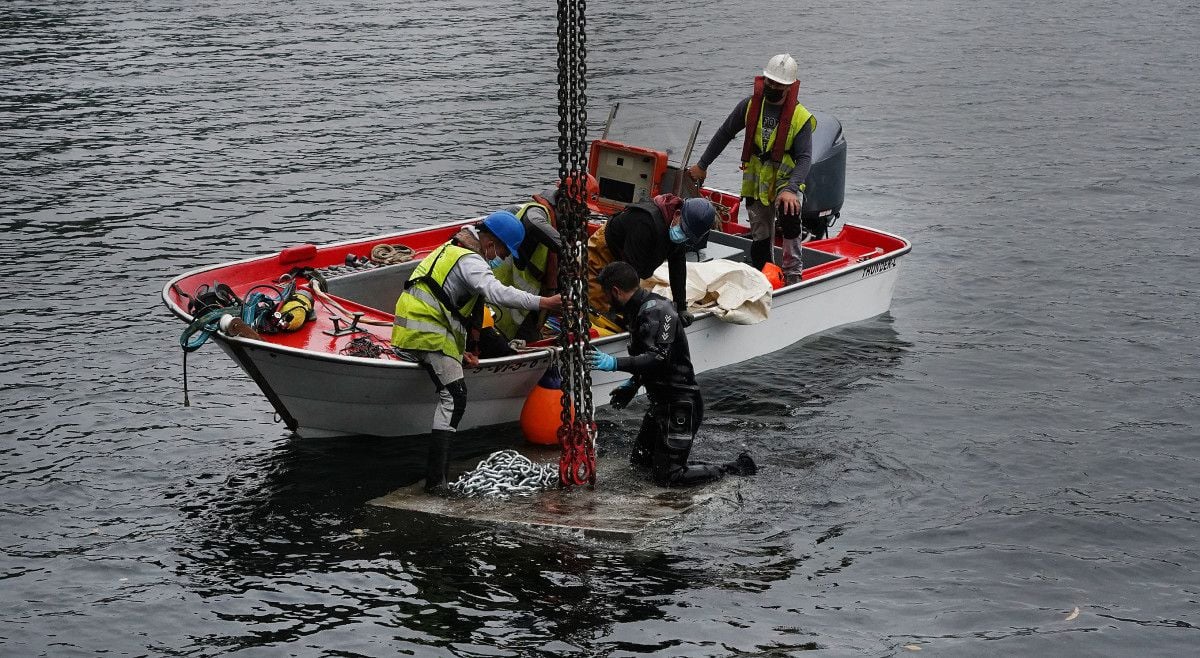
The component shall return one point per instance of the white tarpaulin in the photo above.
(735, 292)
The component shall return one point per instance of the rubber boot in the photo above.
(437, 465)
(760, 253)
(743, 465)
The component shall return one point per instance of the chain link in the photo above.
(577, 434)
(505, 473)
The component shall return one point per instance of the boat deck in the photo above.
(373, 291)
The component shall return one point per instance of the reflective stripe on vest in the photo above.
(763, 179)
(422, 321)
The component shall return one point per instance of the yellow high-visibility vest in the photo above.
(423, 322)
(762, 179)
(528, 279)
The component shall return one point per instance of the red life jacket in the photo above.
(790, 96)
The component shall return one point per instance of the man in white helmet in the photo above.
(776, 157)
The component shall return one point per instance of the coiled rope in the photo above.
(391, 254)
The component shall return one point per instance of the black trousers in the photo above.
(666, 436)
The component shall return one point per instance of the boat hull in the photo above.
(321, 395)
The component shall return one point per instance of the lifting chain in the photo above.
(505, 473)
(577, 434)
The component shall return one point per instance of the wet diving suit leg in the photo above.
(677, 421)
(643, 446)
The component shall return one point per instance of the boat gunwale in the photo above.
(524, 357)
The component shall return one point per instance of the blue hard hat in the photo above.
(505, 226)
(697, 218)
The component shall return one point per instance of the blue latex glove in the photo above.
(622, 395)
(598, 360)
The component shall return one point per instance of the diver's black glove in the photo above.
(686, 319)
(622, 395)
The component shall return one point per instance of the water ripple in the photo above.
(1015, 440)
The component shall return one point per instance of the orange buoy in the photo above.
(542, 414)
(774, 275)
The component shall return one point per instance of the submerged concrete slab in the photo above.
(623, 503)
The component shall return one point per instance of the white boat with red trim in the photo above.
(319, 386)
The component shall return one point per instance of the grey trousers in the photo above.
(447, 375)
(762, 227)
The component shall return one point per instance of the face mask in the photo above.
(772, 95)
(494, 262)
(677, 235)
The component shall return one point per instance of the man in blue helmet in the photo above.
(440, 309)
(645, 235)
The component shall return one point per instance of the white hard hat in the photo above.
(781, 69)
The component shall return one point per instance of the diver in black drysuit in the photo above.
(660, 360)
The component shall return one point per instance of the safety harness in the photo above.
(475, 321)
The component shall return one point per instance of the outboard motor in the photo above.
(825, 187)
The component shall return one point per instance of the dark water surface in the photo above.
(1016, 439)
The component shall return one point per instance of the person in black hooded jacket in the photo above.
(645, 235)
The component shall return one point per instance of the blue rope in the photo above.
(202, 328)
(257, 307)
(197, 333)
